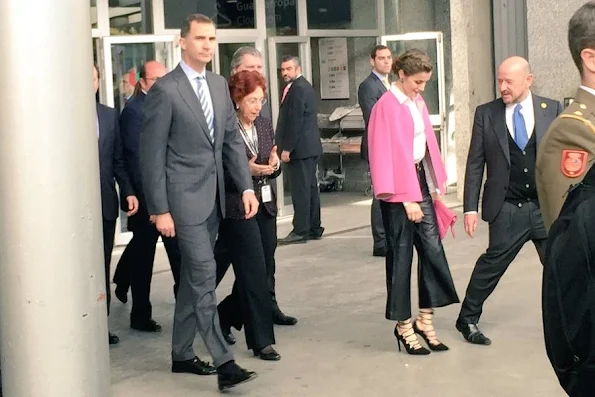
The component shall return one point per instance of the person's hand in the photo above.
(414, 212)
(470, 221)
(132, 205)
(285, 156)
(436, 196)
(274, 158)
(259, 170)
(164, 224)
(250, 204)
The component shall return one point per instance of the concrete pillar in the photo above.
(53, 324)
(473, 71)
(556, 75)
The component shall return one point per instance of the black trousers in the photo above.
(512, 228)
(435, 284)
(109, 232)
(135, 268)
(305, 194)
(249, 304)
(378, 234)
(377, 223)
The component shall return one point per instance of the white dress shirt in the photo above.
(588, 89)
(381, 77)
(192, 77)
(419, 137)
(527, 112)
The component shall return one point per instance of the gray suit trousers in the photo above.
(196, 304)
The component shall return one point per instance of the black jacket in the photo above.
(297, 125)
(111, 162)
(568, 291)
(489, 147)
(234, 207)
(368, 93)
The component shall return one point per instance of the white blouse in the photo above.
(419, 137)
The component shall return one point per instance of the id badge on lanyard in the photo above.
(251, 142)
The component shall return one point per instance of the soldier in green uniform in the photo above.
(567, 150)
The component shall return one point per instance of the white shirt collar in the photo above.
(401, 97)
(191, 73)
(588, 89)
(526, 103)
(380, 76)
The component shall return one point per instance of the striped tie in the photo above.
(205, 103)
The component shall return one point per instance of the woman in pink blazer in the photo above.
(408, 175)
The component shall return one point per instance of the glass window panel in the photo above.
(282, 50)
(226, 51)
(93, 14)
(127, 60)
(358, 66)
(431, 95)
(281, 17)
(234, 14)
(348, 14)
(130, 17)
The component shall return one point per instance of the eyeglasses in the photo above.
(255, 101)
(153, 79)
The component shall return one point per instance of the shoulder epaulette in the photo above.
(577, 115)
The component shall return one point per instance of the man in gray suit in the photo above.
(369, 92)
(190, 130)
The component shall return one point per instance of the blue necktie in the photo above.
(207, 106)
(520, 129)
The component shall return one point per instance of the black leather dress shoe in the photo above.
(148, 326)
(293, 238)
(113, 338)
(281, 319)
(228, 336)
(231, 374)
(122, 294)
(316, 234)
(379, 252)
(473, 334)
(267, 354)
(194, 366)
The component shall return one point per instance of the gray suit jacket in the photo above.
(182, 170)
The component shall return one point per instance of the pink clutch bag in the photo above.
(445, 218)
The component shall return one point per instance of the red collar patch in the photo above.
(574, 163)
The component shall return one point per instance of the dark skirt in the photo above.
(435, 284)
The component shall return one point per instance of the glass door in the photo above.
(120, 60)
(435, 93)
(278, 48)
(227, 47)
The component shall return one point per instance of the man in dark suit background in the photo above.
(111, 169)
(135, 268)
(368, 93)
(189, 132)
(298, 139)
(506, 137)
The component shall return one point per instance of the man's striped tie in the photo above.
(207, 106)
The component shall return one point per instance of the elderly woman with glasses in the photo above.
(249, 244)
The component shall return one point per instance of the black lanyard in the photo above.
(251, 142)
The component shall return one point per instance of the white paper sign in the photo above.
(334, 73)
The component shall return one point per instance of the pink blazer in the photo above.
(390, 149)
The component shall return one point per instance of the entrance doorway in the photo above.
(435, 93)
(120, 60)
(278, 48)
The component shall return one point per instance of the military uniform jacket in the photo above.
(566, 152)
